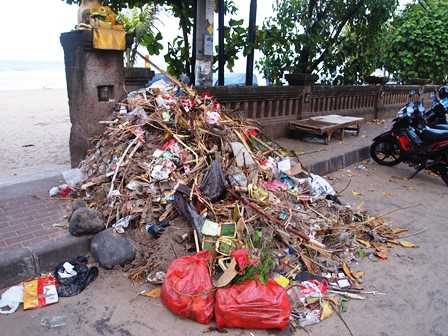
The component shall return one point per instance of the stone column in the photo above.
(95, 82)
(306, 100)
(204, 42)
(378, 105)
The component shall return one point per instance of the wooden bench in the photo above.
(327, 125)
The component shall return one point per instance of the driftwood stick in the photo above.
(256, 208)
(120, 162)
(171, 78)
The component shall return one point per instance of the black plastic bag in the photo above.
(214, 184)
(187, 210)
(76, 284)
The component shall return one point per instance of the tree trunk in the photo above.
(184, 26)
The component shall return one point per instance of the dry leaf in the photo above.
(359, 275)
(407, 244)
(356, 193)
(382, 254)
(153, 293)
(327, 310)
(348, 272)
(365, 243)
(399, 230)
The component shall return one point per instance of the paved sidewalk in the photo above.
(28, 215)
(312, 152)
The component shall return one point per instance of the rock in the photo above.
(79, 203)
(85, 221)
(111, 249)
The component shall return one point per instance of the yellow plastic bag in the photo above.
(109, 39)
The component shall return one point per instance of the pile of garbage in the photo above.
(176, 173)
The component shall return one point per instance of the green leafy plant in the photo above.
(361, 52)
(235, 37)
(139, 23)
(259, 271)
(416, 42)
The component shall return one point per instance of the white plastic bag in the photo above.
(320, 186)
(11, 299)
(73, 177)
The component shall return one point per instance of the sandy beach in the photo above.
(34, 133)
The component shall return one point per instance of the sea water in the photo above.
(29, 75)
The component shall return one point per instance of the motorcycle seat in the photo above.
(431, 134)
(440, 127)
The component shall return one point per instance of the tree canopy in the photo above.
(307, 35)
(342, 41)
(418, 42)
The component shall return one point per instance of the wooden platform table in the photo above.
(328, 125)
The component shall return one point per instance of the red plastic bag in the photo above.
(252, 305)
(188, 290)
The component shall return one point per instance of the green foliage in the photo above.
(118, 4)
(235, 37)
(175, 58)
(417, 42)
(259, 271)
(307, 35)
(140, 23)
(361, 52)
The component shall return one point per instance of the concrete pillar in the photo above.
(204, 43)
(95, 82)
(378, 104)
(306, 101)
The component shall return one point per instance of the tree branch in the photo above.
(338, 31)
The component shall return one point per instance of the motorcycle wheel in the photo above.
(385, 153)
(443, 171)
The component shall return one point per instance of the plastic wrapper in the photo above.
(188, 290)
(213, 118)
(64, 190)
(306, 289)
(274, 185)
(252, 305)
(39, 292)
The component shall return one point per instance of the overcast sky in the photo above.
(30, 29)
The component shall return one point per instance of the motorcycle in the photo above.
(436, 115)
(412, 142)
